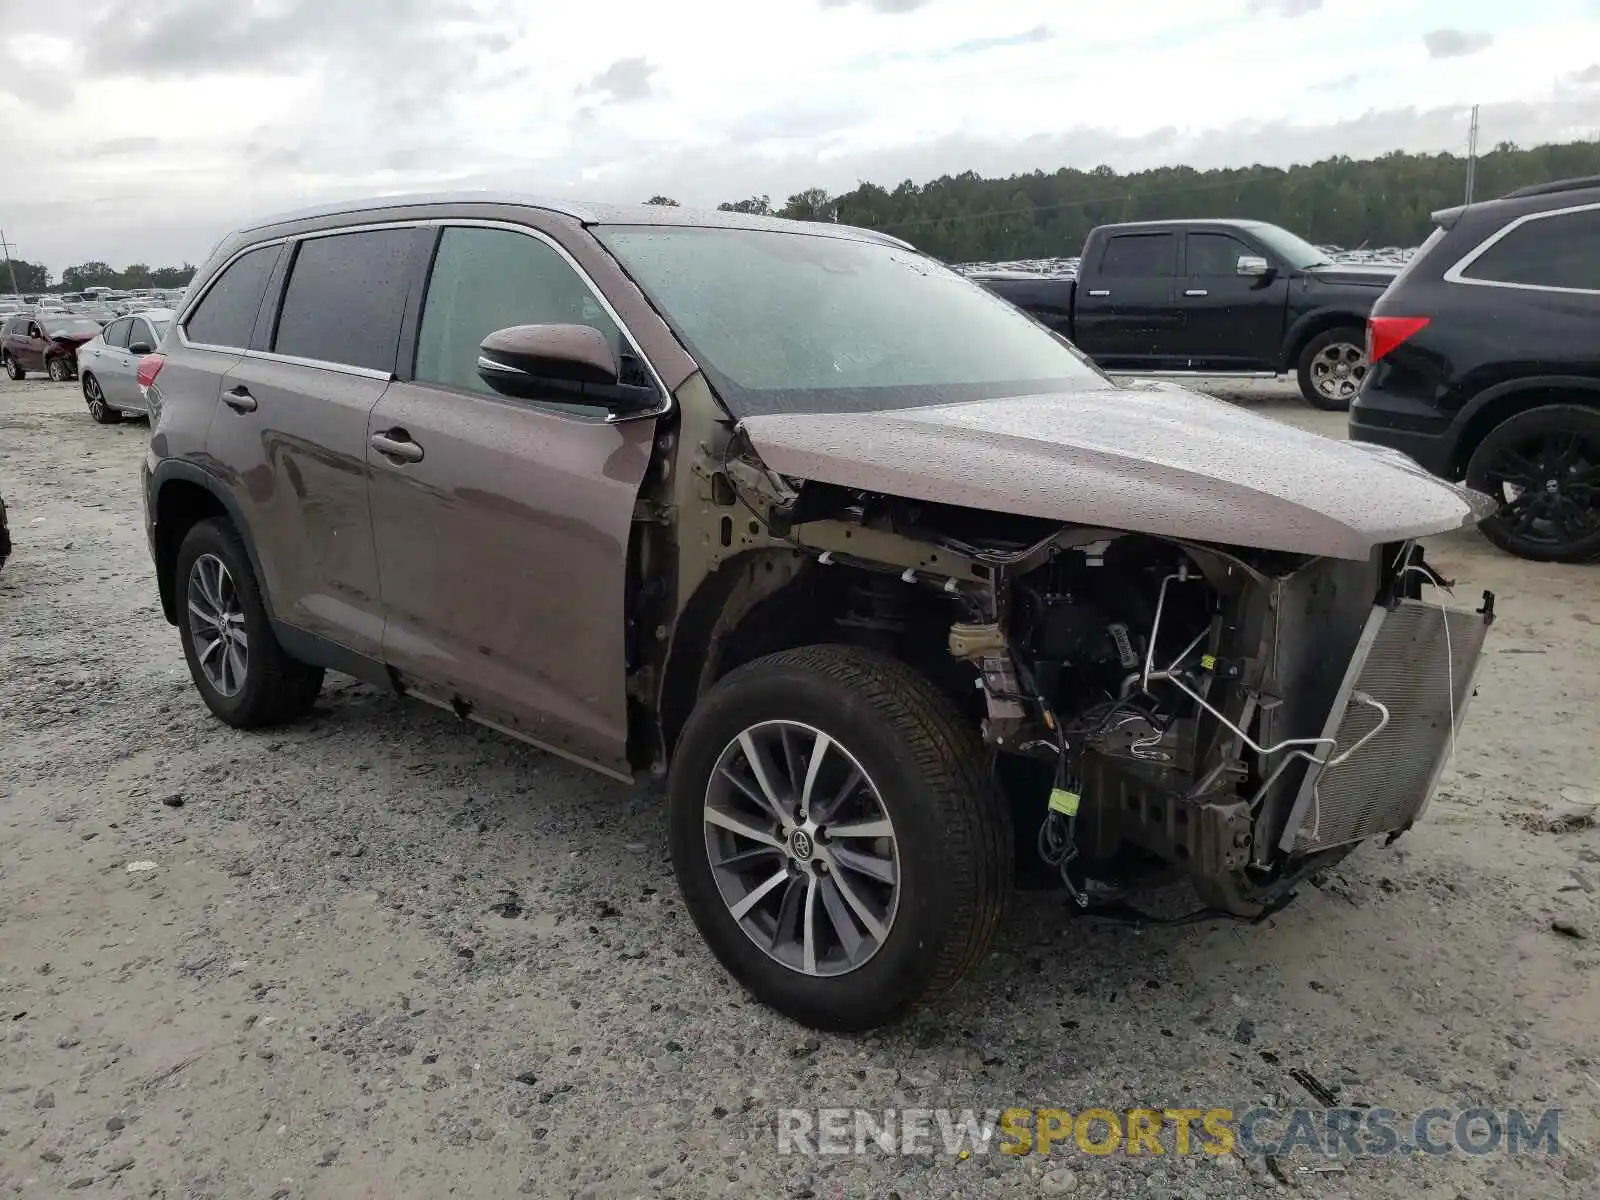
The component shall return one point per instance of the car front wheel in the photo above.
(240, 670)
(59, 370)
(1543, 468)
(837, 836)
(102, 412)
(1332, 367)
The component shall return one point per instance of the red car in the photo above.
(31, 342)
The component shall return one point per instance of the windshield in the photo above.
(67, 328)
(784, 322)
(1294, 250)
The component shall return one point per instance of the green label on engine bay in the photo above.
(1064, 802)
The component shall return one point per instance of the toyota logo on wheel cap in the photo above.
(800, 845)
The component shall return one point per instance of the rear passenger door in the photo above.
(1127, 315)
(503, 531)
(292, 426)
(112, 366)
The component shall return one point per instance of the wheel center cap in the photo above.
(801, 846)
(1552, 486)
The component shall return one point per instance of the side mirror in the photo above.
(141, 348)
(1253, 264)
(565, 364)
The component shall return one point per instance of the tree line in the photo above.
(35, 277)
(1341, 201)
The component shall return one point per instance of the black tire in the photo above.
(276, 688)
(1561, 443)
(94, 397)
(59, 370)
(1306, 370)
(13, 368)
(952, 829)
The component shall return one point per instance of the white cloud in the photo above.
(148, 130)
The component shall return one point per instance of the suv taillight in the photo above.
(1385, 333)
(149, 367)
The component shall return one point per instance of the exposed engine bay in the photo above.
(1242, 716)
(1222, 712)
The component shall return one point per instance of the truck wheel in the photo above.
(837, 836)
(240, 670)
(1332, 366)
(1543, 468)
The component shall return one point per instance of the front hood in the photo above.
(1145, 458)
(1370, 274)
(73, 341)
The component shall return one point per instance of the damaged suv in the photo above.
(895, 588)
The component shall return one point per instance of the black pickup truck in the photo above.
(1210, 298)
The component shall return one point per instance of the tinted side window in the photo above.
(345, 298)
(1562, 251)
(116, 333)
(227, 313)
(1214, 254)
(1141, 256)
(489, 279)
(140, 331)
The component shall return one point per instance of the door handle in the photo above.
(1099, 291)
(396, 444)
(1197, 292)
(240, 399)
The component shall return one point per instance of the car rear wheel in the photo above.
(102, 412)
(1543, 468)
(240, 670)
(1332, 368)
(59, 370)
(836, 835)
(13, 367)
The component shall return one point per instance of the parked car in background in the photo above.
(108, 365)
(871, 566)
(1486, 364)
(47, 342)
(1210, 298)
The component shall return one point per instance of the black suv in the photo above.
(1485, 356)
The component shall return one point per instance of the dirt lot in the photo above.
(384, 954)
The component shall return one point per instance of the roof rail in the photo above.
(1554, 186)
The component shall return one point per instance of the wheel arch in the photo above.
(1312, 324)
(1499, 403)
(182, 495)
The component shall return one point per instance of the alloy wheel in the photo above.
(802, 848)
(1338, 369)
(58, 372)
(1548, 486)
(95, 397)
(216, 623)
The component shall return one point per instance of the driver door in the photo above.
(502, 526)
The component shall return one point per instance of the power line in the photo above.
(5, 248)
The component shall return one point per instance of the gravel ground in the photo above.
(384, 954)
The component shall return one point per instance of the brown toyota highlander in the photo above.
(905, 599)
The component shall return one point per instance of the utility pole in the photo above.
(5, 247)
(1472, 153)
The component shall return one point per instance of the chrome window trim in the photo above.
(588, 282)
(1454, 274)
(291, 360)
(191, 303)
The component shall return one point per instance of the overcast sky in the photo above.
(142, 130)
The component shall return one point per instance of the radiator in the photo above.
(1420, 661)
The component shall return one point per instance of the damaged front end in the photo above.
(1156, 704)
(1244, 716)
